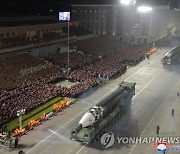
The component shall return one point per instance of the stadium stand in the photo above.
(28, 82)
(76, 59)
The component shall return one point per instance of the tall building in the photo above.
(125, 23)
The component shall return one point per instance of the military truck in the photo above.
(94, 123)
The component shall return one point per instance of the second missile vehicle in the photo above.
(93, 123)
(171, 55)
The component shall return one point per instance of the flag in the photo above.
(73, 24)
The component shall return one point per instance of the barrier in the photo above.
(35, 116)
(151, 51)
(46, 114)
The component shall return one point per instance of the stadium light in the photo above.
(127, 2)
(144, 9)
(65, 16)
(20, 114)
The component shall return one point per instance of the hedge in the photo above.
(34, 114)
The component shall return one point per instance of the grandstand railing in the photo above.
(35, 45)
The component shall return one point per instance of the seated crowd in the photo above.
(11, 68)
(35, 88)
(76, 60)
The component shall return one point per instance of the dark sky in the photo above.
(29, 7)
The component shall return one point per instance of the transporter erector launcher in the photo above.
(94, 122)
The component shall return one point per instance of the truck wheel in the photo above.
(97, 137)
(92, 142)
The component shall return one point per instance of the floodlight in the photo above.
(144, 9)
(126, 2)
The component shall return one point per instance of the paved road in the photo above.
(156, 90)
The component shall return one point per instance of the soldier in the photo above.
(178, 94)
(172, 112)
(16, 142)
(157, 129)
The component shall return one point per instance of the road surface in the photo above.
(156, 95)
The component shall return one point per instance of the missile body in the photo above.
(105, 106)
(92, 124)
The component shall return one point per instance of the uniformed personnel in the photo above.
(16, 142)
(157, 129)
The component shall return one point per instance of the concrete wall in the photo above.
(46, 51)
(159, 25)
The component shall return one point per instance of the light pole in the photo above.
(68, 44)
(65, 16)
(20, 114)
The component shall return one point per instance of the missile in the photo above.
(103, 107)
(98, 117)
(91, 116)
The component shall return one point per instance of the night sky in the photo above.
(51, 7)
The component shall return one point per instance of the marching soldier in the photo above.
(157, 129)
(172, 112)
(178, 94)
(16, 142)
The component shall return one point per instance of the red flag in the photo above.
(73, 24)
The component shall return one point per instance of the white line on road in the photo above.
(147, 84)
(81, 113)
(69, 121)
(153, 117)
(133, 97)
(135, 72)
(80, 149)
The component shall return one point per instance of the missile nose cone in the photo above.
(87, 120)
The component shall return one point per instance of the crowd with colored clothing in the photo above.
(32, 89)
(76, 59)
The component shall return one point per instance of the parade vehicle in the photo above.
(171, 55)
(101, 117)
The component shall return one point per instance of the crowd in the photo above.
(35, 87)
(102, 46)
(11, 71)
(36, 93)
(76, 59)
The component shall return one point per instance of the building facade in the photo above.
(125, 22)
(28, 33)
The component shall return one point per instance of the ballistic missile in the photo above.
(103, 106)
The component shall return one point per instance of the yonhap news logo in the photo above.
(165, 147)
(162, 147)
(143, 140)
(107, 140)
